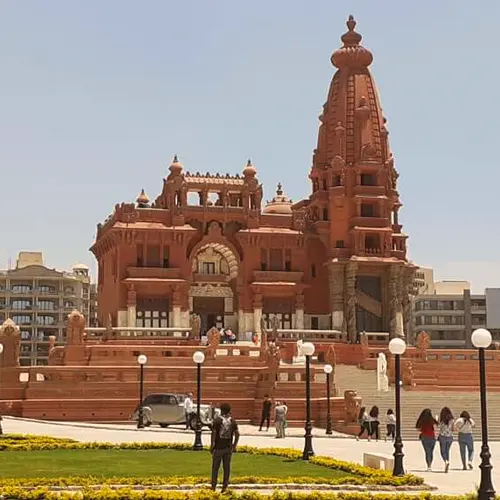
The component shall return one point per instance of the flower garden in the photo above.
(39, 467)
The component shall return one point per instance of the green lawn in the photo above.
(144, 463)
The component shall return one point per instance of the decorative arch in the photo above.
(223, 248)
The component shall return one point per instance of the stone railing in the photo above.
(311, 335)
(131, 333)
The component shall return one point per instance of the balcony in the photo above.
(375, 222)
(369, 191)
(210, 278)
(154, 272)
(278, 276)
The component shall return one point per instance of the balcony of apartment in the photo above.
(280, 276)
(154, 272)
(22, 290)
(47, 291)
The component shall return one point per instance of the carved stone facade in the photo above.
(208, 246)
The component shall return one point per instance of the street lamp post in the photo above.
(308, 351)
(198, 358)
(481, 338)
(328, 369)
(397, 347)
(142, 359)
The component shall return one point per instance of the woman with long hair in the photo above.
(426, 424)
(364, 423)
(445, 438)
(374, 422)
(464, 426)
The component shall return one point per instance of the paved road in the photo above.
(456, 481)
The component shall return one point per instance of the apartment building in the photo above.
(451, 313)
(39, 299)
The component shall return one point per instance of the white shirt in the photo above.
(188, 405)
(463, 426)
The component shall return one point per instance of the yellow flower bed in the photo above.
(362, 475)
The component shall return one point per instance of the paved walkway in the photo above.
(456, 481)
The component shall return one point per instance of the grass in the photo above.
(147, 463)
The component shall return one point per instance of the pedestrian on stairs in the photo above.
(364, 423)
(445, 438)
(426, 424)
(390, 422)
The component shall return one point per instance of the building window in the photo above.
(45, 320)
(21, 304)
(140, 256)
(152, 313)
(368, 180)
(21, 319)
(69, 290)
(276, 259)
(325, 214)
(21, 289)
(288, 260)
(153, 256)
(314, 323)
(313, 270)
(339, 244)
(263, 259)
(372, 242)
(367, 210)
(325, 186)
(46, 305)
(25, 335)
(46, 289)
(208, 267)
(336, 181)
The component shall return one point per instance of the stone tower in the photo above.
(355, 203)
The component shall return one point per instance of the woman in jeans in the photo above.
(364, 423)
(445, 438)
(374, 422)
(464, 426)
(426, 424)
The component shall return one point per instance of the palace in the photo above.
(208, 245)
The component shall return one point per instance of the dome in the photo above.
(142, 199)
(352, 54)
(175, 166)
(280, 204)
(249, 170)
(83, 267)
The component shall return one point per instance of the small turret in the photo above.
(142, 200)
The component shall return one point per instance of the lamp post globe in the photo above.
(308, 350)
(481, 338)
(397, 347)
(198, 359)
(142, 359)
(328, 369)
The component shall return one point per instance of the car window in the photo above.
(167, 399)
(153, 399)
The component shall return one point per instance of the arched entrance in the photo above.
(211, 296)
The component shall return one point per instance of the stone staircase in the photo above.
(412, 402)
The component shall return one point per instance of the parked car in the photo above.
(168, 409)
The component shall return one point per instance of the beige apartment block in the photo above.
(39, 299)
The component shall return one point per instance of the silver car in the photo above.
(168, 409)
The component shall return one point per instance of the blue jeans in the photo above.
(429, 444)
(466, 443)
(445, 443)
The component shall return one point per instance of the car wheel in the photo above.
(192, 422)
(145, 421)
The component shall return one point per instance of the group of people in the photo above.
(369, 423)
(227, 336)
(280, 414)
(441, 429)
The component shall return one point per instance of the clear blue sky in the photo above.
(96, 97)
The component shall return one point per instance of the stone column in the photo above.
(336, 274)
(395, 309)
(299, 312)
(406, 301)
(257, 312)
(350, 299)
(176, 308)
(131, 307)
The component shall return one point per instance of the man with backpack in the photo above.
(225, 436)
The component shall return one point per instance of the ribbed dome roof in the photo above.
(280, 204)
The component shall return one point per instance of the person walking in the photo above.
(390, 422)
(464, 425)
(374, 423)
(426, 425)
(285, 421)
(266, 412)
(445, 438)
(279, 420)
(364, 423)
(188, 408)
(223, 443)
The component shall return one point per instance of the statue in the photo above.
(299, 344)
(213, 337)
(195, 325)
(382, 379)
(363, 340)
(10, 337)
(275, 324)
(331, 356)
(423, 343)
(263, 339)
(75, 328)
(352, 405)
